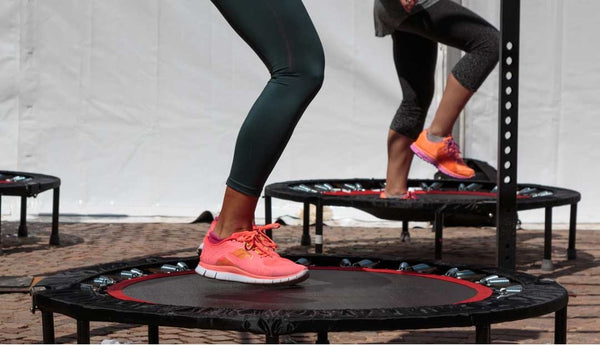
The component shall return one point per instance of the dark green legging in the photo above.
(283, 36)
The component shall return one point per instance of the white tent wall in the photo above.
(558, 101)
(136, 104)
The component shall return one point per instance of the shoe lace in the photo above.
(257, 240)
(453, 150)
(410, 195)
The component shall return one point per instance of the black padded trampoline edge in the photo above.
(64, 296)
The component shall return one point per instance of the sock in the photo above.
(434, 138)
(213, 238)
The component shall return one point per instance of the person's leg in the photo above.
(283, 36)
(459, 27)
(415, 59)
(451, 24)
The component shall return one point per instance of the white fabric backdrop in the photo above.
(136, 104)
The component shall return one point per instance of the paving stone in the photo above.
(87, 244)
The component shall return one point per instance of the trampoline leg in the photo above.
(438, 227)
(571, 253)
(23, 222)
(152, 334)
(1, 249)
(271, 339)
(560, 326)
(322, 338)
(547, 261)
(482, 334)
(48, 327)
(83, 332)
(305, 240)
(405, 237)
(319, 228)
(268, 215)
(54, 240)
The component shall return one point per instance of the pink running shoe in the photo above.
(248, 257)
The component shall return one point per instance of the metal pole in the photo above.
(268, 215)
(506, 221)
(48, 327)
(152, 334)
(571, 253)
(23, 221)
(319, 227)
(305, 240)
(483, 334)
(560, 326)
(54, 239)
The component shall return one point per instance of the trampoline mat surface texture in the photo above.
(326, 289)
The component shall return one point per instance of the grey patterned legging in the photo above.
(415, 54)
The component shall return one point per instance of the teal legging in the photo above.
(283, 36)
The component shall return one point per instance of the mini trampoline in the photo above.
(434, 200)
(26, 185)
(369, 294)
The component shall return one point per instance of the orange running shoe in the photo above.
(248, 257)
(445, 155)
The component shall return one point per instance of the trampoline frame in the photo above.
(36, 184)
(64, 294)
(437, 211)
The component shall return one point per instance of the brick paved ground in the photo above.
(86, 244)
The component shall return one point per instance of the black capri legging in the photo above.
(283, 36)
(415, 55)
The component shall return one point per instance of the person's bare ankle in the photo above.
(395, 192)
(225, 229)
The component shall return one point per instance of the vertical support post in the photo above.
(54, 239)
(48, 327)
(319, 227)
(152, 334)
(571, 253)
(483, 334)
(560, 326)
(305, 240)
(506, 209)
(1, 250)
(547, 260)
(23, 221)
(83, 332)
(438, 227)
(268, 215)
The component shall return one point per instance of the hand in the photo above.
(408, 4)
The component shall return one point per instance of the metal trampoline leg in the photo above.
(405, 237)
(271, 339)
(268, 215)
(23, 220)
(305, 240)
(54, 239)
(48, 327)
(319, 228)
(547, 261)
(1, 248)
(83, 332)
(571, 253)
(560, 326)
(482, 334)
(152, 334)
(438, 227)
(322, 338)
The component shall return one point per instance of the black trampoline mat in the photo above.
(326, 289)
